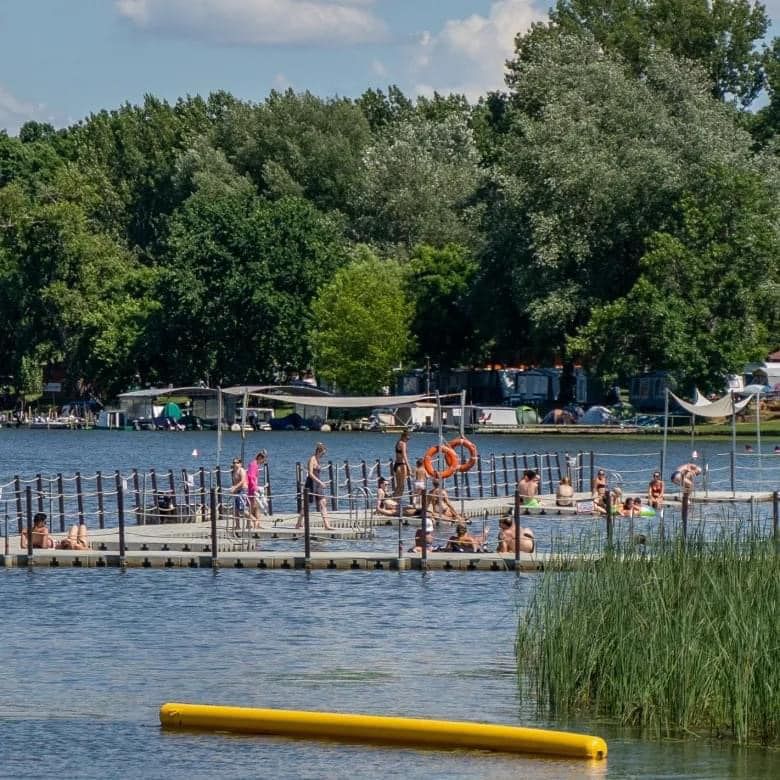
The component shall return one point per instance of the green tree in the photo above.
(299, 145)
(721, 35)
(595, 161)
(707, 299)
(361, 329)
(418, 182)
(238, 280)
(72, 294)
(439, 282)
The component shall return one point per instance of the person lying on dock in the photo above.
(76, 539)
(506, 537)
(384, 505)
(655, 491)
(463, 541)
(40, 534)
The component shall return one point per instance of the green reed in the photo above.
(675, 639)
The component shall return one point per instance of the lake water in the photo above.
(88, 656)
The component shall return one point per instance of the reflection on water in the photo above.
(88, 657)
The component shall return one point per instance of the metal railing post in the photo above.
(214, 538)
(120, 511)
(306, 529)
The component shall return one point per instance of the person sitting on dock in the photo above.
(441, 506)
(564, 495)
(655, 491)
(39, 534)
(528, 486)
(384, 505)
(418, 537)
(600, 501)
(684, 476)
(463, 541)
(77, 538)
(506, 537)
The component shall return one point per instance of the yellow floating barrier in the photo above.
(415, 732)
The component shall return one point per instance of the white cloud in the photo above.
(468, 55)
(258, 22)
(15, 112)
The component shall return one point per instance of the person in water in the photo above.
(401, 468)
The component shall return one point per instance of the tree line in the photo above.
(617, 205)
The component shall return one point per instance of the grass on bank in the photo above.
(680, 640)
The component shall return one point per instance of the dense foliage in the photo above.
(617, 205)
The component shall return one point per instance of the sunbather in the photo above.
(76, 539)
(463, 541)
(39, 535)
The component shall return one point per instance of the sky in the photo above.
(61, 60)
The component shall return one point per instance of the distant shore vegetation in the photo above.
(617, 205)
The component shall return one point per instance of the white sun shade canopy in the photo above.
(332, 401)
(722, 407)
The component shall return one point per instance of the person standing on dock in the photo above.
(401, 468)
(316, 487)
(420, 479)
(238, 489)
(255, 491)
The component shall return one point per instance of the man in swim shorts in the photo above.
(684, 476)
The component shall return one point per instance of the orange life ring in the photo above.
(453, 461)
(472, 450)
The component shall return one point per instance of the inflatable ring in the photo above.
(472, 450)
(453, 461)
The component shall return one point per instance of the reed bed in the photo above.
(683, 638)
